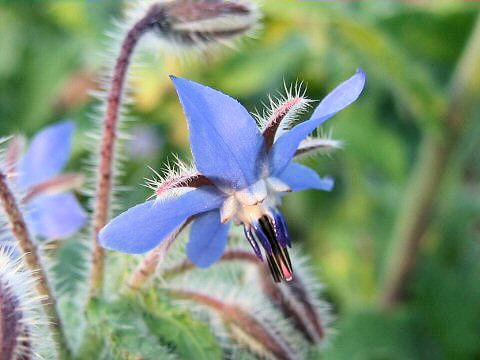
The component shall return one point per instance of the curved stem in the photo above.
(32, 260)
(177, 22)
(414, 216)
(230, 255)
(107, 147)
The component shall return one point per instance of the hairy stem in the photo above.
(107, 146)
(187, 265)
(414, 216)
(176, 22)
(31, 259)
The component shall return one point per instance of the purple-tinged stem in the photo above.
(187, 265)
(31, 258)
(179, 23)
(235, 315)
(109, 135)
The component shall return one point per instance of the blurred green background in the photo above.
(415, 130)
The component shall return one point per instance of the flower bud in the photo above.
(191, 23)
(23, 326)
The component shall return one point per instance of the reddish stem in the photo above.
(31, 258)
(107, 147)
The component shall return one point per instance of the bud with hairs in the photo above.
(24, 330)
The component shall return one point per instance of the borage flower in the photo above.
(241, 173)
(54, 212)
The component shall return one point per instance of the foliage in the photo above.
(410, 52)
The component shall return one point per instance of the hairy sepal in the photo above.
(175, 180)
(282, 112)
(323, 145)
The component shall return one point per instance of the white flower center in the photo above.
(250, 204)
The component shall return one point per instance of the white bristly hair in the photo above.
(27, 321)
(292, 103)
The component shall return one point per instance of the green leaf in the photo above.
(190, 338)
(118, 331)
(369, 335)
(71, 265)
(411, 84)
(253, 73)
(423, 34)
(69, 271)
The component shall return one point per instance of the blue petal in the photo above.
(300, 177)
(144, 226)
(342, 96)
(208, 238)
(225, 141)
(56, 216)
(47, 154)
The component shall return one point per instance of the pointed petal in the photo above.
(144, 226)
(56, 216)
(300, 177)
(225, 141)
(343, 95)
(47, 154)
(208, 238)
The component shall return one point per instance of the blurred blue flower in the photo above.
(53, 212)
(241, 173)
(143, 143)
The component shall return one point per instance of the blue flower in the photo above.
(241, 173)
(54, 213)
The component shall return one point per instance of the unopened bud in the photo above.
(196, 23)
(244, 327)
(23, 326)
(10, 321)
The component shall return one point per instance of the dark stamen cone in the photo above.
(253, 242)
(277, 258)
